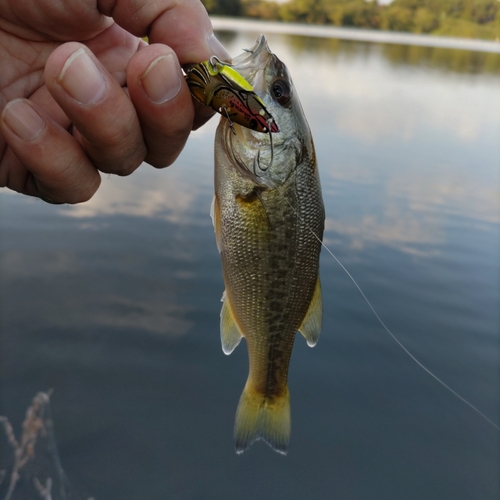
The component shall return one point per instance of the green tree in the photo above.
(470, 18)
(338, 12)
(305, 11)
(397, 19)
(209, 5)
(482, 11)
(425, 21)
(261, 9)
(355, 13)
(223, 7)
(478, 11)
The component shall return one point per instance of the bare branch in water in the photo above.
(36, 471)
(45, 491)
(9, 432)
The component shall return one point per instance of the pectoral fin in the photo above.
(230, 333)
(311, 326)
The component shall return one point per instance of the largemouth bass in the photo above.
(269, 217)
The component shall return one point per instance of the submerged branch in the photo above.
(35, 470)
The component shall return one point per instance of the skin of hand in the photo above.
(80, 92)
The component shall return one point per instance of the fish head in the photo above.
(269, 159)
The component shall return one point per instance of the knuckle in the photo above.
(123, 163)
(119, 152)
(166, 154)
(84, 194)
(160, 163)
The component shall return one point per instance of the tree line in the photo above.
(466, 18)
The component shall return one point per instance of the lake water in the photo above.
(115, 303)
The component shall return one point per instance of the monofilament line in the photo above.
(435, 377)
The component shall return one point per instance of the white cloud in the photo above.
(168, 193)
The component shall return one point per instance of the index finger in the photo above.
(183, 25)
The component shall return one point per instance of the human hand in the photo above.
(80, 92)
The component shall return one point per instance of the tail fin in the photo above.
(261, 417)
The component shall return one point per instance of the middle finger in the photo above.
(105, 119)
(162, 100)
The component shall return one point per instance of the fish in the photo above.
(268, 215)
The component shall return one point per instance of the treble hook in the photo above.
(223, 109)
(257, 158)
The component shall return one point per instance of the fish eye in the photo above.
(281, 91)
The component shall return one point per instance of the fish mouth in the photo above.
(253, 62)
(257, 56)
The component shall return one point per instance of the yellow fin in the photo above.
(311, 326)
(230, 334)
(261, 417)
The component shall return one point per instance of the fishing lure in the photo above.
(216, 84)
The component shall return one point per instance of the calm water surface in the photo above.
(115, 303)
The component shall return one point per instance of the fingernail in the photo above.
(217, 49)
(162, 79)
(81, 78)
(23, 120)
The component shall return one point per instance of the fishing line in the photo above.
(386, 328)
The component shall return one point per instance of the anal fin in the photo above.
(311, 326)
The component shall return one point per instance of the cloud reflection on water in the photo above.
(158, 317)
(170, 194)
(146, 194)
(371, 100)
(404, 231)
(423, 137)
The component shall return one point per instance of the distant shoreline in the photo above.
(363, 35)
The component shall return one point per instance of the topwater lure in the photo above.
(216, 84)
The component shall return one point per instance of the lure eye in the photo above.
(281, 91)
